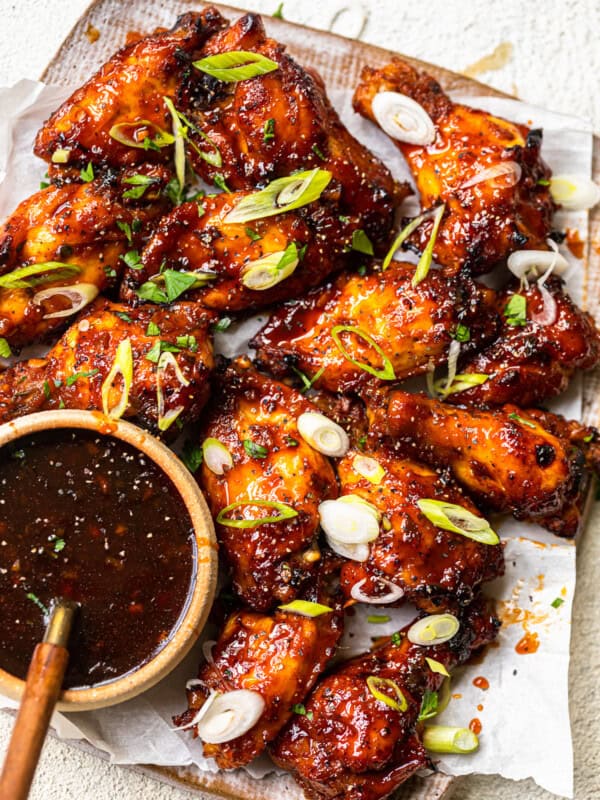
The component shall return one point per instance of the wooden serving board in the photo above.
(339, 61)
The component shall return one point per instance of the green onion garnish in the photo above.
(35, 599)
(460, 383)
(306, 608)
(34, 274)
(444, 739)
(76, 375)
(455, 518)
(361, 243)
(87, 173)
(515, 311)
(517, 418)
(461, 333)
(268, 271)
(255, 450)
(269, 130)
(307, 383)
(139, 183)
(385, 373)
(236, 65)
(122, 365)
(424, 263)
(557, 602)
(285, 512)
(398, 703)
(378, 619)
(160, 139)
(298, 708)
(5, 351)
(429, 706)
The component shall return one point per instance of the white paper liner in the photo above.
(525, 717)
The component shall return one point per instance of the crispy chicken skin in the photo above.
(351, 746)
(130, 87)
(280, 656)
(306, 130)
(483, 222)
(78, 225)
(437, 569)
(269, 562)
(194, 236)
(62, 379)
(528, 364)
(505, 463)
(412, 326)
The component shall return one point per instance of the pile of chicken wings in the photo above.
(328, 482)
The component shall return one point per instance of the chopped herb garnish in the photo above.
(362, 243)
(515, 311)
(76, 375)
(150, 144)
(110, 272)
(5, 351)
(176, 283)
(557, 602)
(253, 235)
(47, 392)
(301, 710)
(136, 225)
(269, 130)
(192, 455)
(132, 259)
(161, 347)
(378, 619)
(174, 191)
(140, 183)
(219, 182)
(291, 442)
(122, 315)
(222, 324)
(187, 342)
(126, 228)
(362, 442)
(429, 706)
(461, 333)
(318, 152)
(543, 182)
(152, 329)
(59, 545)
(87, 173)
(307, 383)
(255, 450)
(362, 270)
(517, 418)
(44, 184)
(589, 438)
(278, 13)
(302, 252)
(61, 404)
(35, 599)
(18, 455)
(396, 638)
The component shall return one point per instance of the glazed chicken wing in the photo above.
(488, 171)
(255, 419)
(504, 458)
(351, 745)
(170, 369)
(381, 320)
(535, 359)
(278, 655)
(271, 125)
(82, 230)
(194, 236)
(436, 569)
(129, 88)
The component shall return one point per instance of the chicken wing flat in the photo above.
(78, 235)
(280, 656)
(436, 569)
(506, 460)
(351, 745)
(162, 389)
(194, 236)
(271, 125)
(128, 91)
(378, 319)
(488, 171)
(255, 419)
(536, 354)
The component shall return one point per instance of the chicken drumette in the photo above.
(350, 745)
(488, 171)
(255, 419)
(380, 320)
(160, 373)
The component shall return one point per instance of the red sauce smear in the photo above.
(475, 725)
(574, 243)
(528, 644)
(481, 683)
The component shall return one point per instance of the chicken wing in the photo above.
(280, 656)
(255, 418)
(194, 236)
(129, 88)
(505, 459)
(352, 746)
(381, 320)
(535, 355)
(488, 171)
(271, 125)
(78, 235)
(170, 368)
(436, 569)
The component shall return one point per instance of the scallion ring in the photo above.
(403, 236)
(148, 131)
(393, 594)
(349, 521)
(79, 294)
(403, 118)
(462, 381)
(268, 271)
(122, 365)
(444, 739)
(230, 715)
(424, 263)
(323, 434)
(167, 360)
(385, 373)
(457, 519)
(434, 629)
(285, 512)
(375, 685)
(216, 456)
(437, 667)
(574, 192)
(368, 468)
(34, 274)
(236, 65)
(305, 608)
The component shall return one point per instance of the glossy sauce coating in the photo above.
(90, 519)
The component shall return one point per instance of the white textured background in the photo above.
(554, 61)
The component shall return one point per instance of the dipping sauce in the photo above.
(92, 519)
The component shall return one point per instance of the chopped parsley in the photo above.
(76, 375)
(5, 351)
(557, 602)
(278, 13)
(429, 706)
(59, 545)
(361, 243)
(362, 444)
(301, 710)
(132, 259)
(152, 329)
(396, 638)
(269, 130)
(161, 347)
(192, 456)
(291, 442)
(461, 333)
(87, 173)
(219, 182)
(139, 183)
(126, 228)
(253, 235)
(515, 311)
(47, 392)
(122, 315)
(222, 324)
(255, 450)
(176, 283)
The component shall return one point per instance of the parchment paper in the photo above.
(524, 714)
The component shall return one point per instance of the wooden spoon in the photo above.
(44, 682)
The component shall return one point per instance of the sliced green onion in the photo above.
(324, 435)
(271, 269)
(434, 629)
(229, 715)
(523, 421)
(213, 158)
(403, 236)
(429, 706)
(576, 192)
(80, 295)
(305, 608)
(166, 360)
(87, 173)
(280, 196)
(349, 520)
(437, 667)
(34, 274)
(5, 351)
(361, 243)
(460, 383)
(368, 468)
(236, 65)
(161, 138)
(515, 311)
(455, 518)
(122, 365)
(386, 373)
(179, 133)
(557, 602)
(444, 695)
(61, 156)
(307, 383)
(398, 703)
(216, 456)
(444, 739)
(378, 619)
(424, 263)
(285, 512)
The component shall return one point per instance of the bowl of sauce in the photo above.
(100, 512)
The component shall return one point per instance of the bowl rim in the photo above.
(203, 586)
